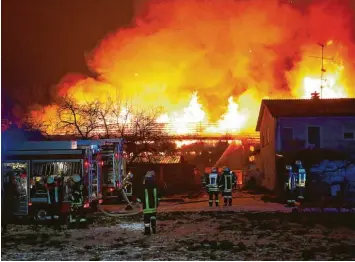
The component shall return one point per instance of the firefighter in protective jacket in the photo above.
(129, 188)
(290, 186)
(212, 185)
(53, 196)
(301, 180)
(77, 200)
(226, 183)
(150, 198)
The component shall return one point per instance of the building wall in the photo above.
(267, 151)
(332, 131)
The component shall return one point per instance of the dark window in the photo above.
(314, 136)
(348, 135)
(286, 137)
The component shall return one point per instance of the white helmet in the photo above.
(150, 174)
(298, 162)
(76, 178)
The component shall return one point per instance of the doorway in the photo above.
(314, 136)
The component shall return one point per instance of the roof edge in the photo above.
(260, 117)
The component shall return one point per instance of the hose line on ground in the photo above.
(135, 210)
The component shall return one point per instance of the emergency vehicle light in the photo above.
(100, 201)
(29, 204)
(111, 189)
(116, 155)
(102, 163)
(87, 205)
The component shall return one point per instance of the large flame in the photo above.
(209, 63)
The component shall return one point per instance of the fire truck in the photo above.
(112, 164)
(34, 164)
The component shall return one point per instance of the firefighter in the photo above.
(150, 197)
(10, 195)
(53, 197)
(212, 182)
(300, 180)
(129, 187)
(290, 186)
(77, 200)
(226, 183)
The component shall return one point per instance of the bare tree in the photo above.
(39, 123)
(78, 119)
(105, 116)
(122, 114)
(145, 136)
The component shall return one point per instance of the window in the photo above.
(349, 135)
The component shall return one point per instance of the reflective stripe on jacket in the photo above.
(213, 181)
(150, 201)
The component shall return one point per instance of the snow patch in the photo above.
(133, 226)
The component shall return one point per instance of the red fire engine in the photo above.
(46, 173)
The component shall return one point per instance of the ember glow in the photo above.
(209, 63)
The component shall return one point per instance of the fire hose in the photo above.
(134, 211)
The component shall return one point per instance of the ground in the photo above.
(250, 230)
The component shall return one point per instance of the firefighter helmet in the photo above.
(76, 178)
(50, 180)
(150, 175)
(298, 162)
(288, 167)
(226, 169)
(214, 170)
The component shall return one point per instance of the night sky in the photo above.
(44, 40)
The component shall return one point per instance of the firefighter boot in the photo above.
(217, 203)
(210, 202)
(153, 222)
(225, 201)
(230, 201)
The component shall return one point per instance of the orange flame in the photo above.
(209, 63)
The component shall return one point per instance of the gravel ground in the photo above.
(214, 235)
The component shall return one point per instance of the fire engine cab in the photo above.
(47, 173)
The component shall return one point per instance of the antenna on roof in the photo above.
(322, 69)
